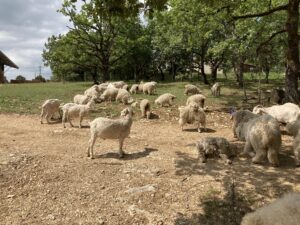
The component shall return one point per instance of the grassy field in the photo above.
(28, 98)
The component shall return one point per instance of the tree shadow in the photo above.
(208, 130)
(127, 156)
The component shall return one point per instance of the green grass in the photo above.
(28, 98)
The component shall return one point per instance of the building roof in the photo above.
(6, 61)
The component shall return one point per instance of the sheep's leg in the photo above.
(259, 156)
(47, 117)
(121, 141)
(247, 149)
(64, 119)
(297, 156)
(204, 126)
(198, 128)
(90, 150)
(273, 157)
(42, 115)
(225, 158)
(80, 120)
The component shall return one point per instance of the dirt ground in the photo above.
(46, 177)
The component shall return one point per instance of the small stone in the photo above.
(10, 196)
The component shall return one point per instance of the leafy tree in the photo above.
(20, 78)
(40, 78)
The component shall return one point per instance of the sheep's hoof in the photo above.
(121, 155)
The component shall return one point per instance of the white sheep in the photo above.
(192, 113)
(92, 91)
(119, 84)
(145, 108)
(81, 99)
(76, 110)
(149, 88)
(109, 94)
(165, 99)
(191, 89)
(49, 107)
(283, 211)
(124, 96)
(126, 87)
(198, 99)
(111, 129)
(216, 89)
(285, 113)
(140, 88)
(134, 89)
(102, 87)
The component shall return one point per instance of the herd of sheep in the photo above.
(259, 129)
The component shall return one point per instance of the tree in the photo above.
(20, 78)
(40, 78)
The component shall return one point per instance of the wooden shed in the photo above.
(5, 61)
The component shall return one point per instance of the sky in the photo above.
(25, 26)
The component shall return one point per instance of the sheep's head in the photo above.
(259, 109)
(127, 112)
(194, 107)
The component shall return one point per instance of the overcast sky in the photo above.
(25, 26)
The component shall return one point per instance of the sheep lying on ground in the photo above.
(165, 99)
(124, 96)
(76, 110)
(263, 137)
(49, 107)
(134, 89)
(216, 89)
(111, 129)
(198, 99)
(285, 113)
(145, 108)
(81, 99)
(192, 113)
(283, 211)
(241, 116)
(149, 88)
(109, 94)
(215, 147)
(191, 89)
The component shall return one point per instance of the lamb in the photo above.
(134, 89)
(124, 96)
(190, 114)
(198, 99)
(216, 147)
(81, 99)
(241, 116)
(283, 211)
(191, 89)
(69, 112)
(285, 113)
(149, 88)
(109, 94)
(262, 135)
(145, 108)
(111, 129)
(165, 99)
(216, 89)
(49, 107)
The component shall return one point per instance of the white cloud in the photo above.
(24, 29)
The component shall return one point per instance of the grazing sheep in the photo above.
(92, 91)
(165, 99)
(119, 84)
(191, 89)
(216, 89)
(76, 110)
(111, 129)
(134, 89)
(140, 88)
(278, 95)
(81, 99)
(192, 113)
(126, 87)
(124, 96)
(198, 99)
(49, 107)
(262, 135)
(215, 147)
(134, 104)
(109, 94)
(283, 211)
(102, 87)
(149, 88)
(293, 127)
(145, 108)
(241, 116)
(285, 113)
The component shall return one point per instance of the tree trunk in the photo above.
(292, 70)
(162, 75)
(267, 72)
(214, 71)
(240, 73)
(105, 70)
(1, 73)
(203, 71)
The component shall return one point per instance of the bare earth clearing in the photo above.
(46, 178)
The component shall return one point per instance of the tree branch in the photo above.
(266, 13)
(269, 39)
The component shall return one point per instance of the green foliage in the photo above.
(40, 78)
(20, 78)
